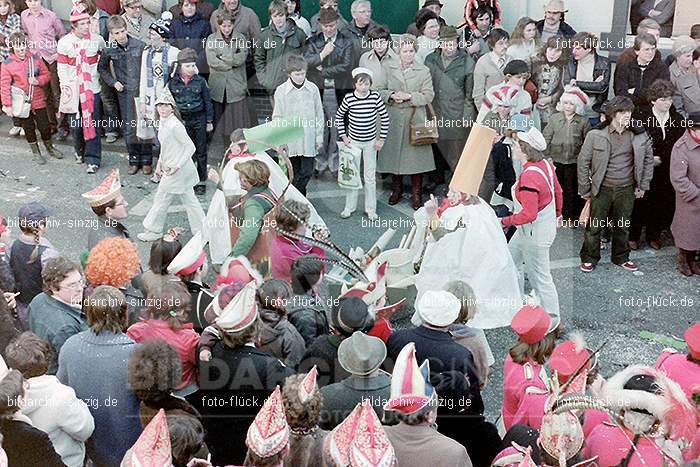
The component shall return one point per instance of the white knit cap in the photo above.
(534, 138)
(364, 70)
(438, 308)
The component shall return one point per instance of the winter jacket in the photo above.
(629, 75)
(184, 340)
(27, 446)
(67, 49)
(596, 90)
(340, 399)
(307, 314)
(56, 410)
(279, 337)
(95, 366)
(191, 32)
(271, 54)
(595, 155)
(227, 73)
(564, 28)
(55, 322)
(284, 251)
(15, 72)
(192, 97)
(687, 83)
(337, 66)
(122, 64)
(378, 66)
(453, 87)
(245, 21)
(360, 41)
(564, 141)
(244, 374)
(302, 105)
(323, 353)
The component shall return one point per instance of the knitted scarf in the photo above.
(149, 65)
(87, 97)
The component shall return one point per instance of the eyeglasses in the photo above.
(133, 7)
(74, 285)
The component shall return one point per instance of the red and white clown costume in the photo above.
(78, 55)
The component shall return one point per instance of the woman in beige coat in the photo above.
(409, 88)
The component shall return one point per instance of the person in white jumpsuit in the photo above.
(177, 170)
(536, 221)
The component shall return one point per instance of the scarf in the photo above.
(87, 96)
(164, 61)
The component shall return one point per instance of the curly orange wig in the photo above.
(114, 261)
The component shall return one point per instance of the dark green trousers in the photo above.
(611, 208)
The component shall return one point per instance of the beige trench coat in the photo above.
(398, 156)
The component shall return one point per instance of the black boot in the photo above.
(51, 149)
(36, 152)
(416, 191)
(396, 189)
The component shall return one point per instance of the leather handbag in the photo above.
(424, 133)
(21, 101)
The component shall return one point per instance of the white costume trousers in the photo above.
(369, 158)
(155, 219)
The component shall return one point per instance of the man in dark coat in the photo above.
(452, 373)
(360, 355)
(235, 381)
(553, 23)
(348, 316)
(633, 77)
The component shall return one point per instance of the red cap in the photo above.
(692, 338)
(567, 358)
(531, 323)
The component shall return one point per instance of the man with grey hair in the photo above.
(684, 77)
(361, 11)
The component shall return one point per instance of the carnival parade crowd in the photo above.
(227, 349)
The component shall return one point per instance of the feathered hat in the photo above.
(269, 433)
(569, 356)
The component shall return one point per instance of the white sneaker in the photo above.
(346, 213)
(149, 236)
(15, 130)
(372, 215)
(21, 131)
(91, 168)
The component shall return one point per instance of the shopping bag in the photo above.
(585, 215)
(349, 166)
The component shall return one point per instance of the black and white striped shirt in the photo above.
(362, 117)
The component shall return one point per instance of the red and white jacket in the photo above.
(533, 194)
(68, 48)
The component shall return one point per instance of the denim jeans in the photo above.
(90, 150)
(196, 126)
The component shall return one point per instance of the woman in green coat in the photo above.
(409, 88)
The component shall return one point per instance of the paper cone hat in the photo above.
(410, 384)
(108, 190)
(308, 386)
(4, 370)
(241, 311)
(472, 162)
(273, 134)
(269, 432)
(190, 258)
(339, 441)
(165, 97)
(371, 447)
(152, 449)
(561, 436)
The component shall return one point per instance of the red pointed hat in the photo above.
(338, 443)
(371, 447)
(531, 323)
(108, 190)
(269, 433)
(152, 449)
(692, 338)
(567, 358)
(308, 386)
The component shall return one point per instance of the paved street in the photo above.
(609, 304)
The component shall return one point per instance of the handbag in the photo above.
(424, 133)
(21, 101)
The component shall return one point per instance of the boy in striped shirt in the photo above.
(360, 111)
